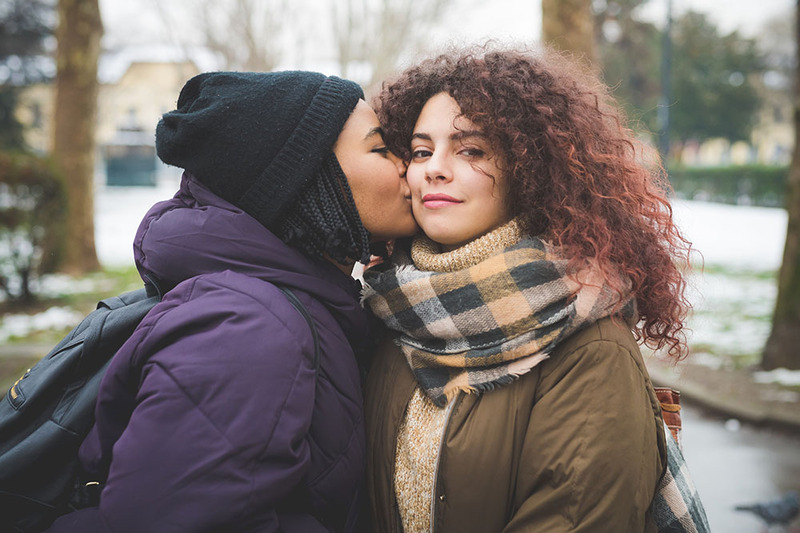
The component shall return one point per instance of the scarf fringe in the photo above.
(491, 385)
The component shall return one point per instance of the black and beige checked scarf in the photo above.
(485, 317)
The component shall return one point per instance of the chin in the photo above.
(444, 238)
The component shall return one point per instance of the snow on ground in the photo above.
(19, 325)
(732, 306)
(732, 314)
(741, 249)
(735, 237)
(779, 375)
(118, 211)
(733, 288)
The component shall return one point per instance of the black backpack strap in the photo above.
(295, 301)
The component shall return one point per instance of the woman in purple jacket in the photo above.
(213, 416)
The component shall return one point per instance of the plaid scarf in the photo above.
(477, 326)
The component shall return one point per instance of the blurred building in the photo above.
(139, 84)
(772, 139)
(133, 95)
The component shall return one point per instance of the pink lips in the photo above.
(436, 201)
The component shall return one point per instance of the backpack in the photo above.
(47, 413)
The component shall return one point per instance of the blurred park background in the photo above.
(710, 85)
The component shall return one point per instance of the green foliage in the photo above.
(630, 52)
(24, 26)
(712, 89)
(751, 184)
(11, 137)
(713, 94)
(32, 212)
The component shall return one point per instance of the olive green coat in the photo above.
(577, 444)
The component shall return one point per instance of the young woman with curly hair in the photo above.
(510, 392)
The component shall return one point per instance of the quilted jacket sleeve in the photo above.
(592, 445)
(215, 440)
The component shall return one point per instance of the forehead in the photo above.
(443, 111)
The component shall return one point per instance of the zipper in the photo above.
(445, 427)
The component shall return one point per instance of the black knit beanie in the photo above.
(256, 139)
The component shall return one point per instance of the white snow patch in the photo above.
(118, 212)
(54, 285)
(732, 308)
(781, 376)
(737, 237)
(731, 312)
(707, 360)
(19, 325)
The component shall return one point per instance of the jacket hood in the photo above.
(196, 232)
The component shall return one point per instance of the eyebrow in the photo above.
(457, 136)
(373, 132)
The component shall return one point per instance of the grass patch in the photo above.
(703, 347)
(732, 314)
(742, 361)
(80, 294)
(103, 284)
(722, 270)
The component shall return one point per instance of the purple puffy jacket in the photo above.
(210, 417)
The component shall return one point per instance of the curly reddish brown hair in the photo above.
(577, 174)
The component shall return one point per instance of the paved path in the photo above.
(733, 393)
(734, 463)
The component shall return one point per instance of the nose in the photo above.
(437, 167)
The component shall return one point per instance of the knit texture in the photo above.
(484, 325)
(418, 442)
(426, 255)
(256, 139)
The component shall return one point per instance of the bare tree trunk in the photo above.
(782, 346)
(78, 34)
(569, 25)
